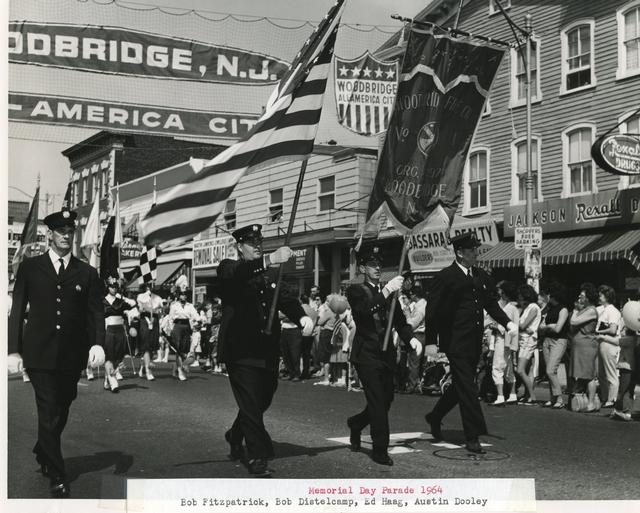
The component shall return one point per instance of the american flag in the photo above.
(148, 265)
(286, 130)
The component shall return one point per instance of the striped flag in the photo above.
(286, 130)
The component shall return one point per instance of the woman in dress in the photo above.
(608, 337)
(555, 331)
(183, 316)
(150, 307)
(584, 346)
(528, 340)
(115, 343)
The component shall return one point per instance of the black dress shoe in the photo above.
(434, 427)
(475, 447)
(59, 489)
(236, 450)
(354, 437)
(382, 458)
(258, 468)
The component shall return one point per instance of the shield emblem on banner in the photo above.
(365, 91)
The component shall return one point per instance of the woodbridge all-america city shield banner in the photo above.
(444, 84)
(365, 88)
(135, 53)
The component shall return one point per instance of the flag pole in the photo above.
(287, 238)
(394, 300)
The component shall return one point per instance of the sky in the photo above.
(27, 157)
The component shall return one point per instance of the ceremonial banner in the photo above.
(29, 244)
(135, 53)
(444, 84)
(365, 89)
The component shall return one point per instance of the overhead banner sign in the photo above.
(444, 85)
(124, 117)
(135, 53)
(365, 89)
(429, 249)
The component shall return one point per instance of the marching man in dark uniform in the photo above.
(370, 305)
(251, 356)
(454, 321)
(65, 325)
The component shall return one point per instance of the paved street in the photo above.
(171, 429)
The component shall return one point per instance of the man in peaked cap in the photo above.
(370, 305)
(454, 321)
(65, 325)
(249, 352)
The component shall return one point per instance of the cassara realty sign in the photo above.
(618, 154)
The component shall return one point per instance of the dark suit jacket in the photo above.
(65, 316)
(370, 313)
(246, 292)
(454, 318)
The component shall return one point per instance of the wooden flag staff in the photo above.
(394, 300)
(287, 238)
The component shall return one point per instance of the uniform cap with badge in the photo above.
(466, 240)
(369, 254)
(248, 234)
(61, 219)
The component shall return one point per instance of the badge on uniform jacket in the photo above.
(78, 288)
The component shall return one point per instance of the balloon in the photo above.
(337, 303)
(133, 332)
(631, 315)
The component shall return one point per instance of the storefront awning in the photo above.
(166, 271)
(580, 249)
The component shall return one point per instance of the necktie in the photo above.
(61, 268)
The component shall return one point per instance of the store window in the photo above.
(230, 214)
(579, 174)
(276, 205)
(326, 193)
(578, 67)
(477, 182)
(519, 75)
(519, 165)
(628, 18)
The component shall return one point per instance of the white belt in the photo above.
(113, 320)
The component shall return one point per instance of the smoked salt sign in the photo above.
(607, 208)
(135, 53)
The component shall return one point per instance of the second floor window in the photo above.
(577, 58)
(579, 164)
(519, 75)
(629, 41)
(327, 194)
(493, 8)
(478, 180)
(521, 168)
(230, 214)
(276, 205)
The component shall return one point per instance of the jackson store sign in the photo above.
(607, 208)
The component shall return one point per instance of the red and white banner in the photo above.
(365, 89)
(135, 53)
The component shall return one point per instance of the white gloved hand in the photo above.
(307, 326)
(280, 255)
(512, 328)
(345, 346)
(394, 285)
(431, 351)
(96, 356)
(14, 363)
(416, 346)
